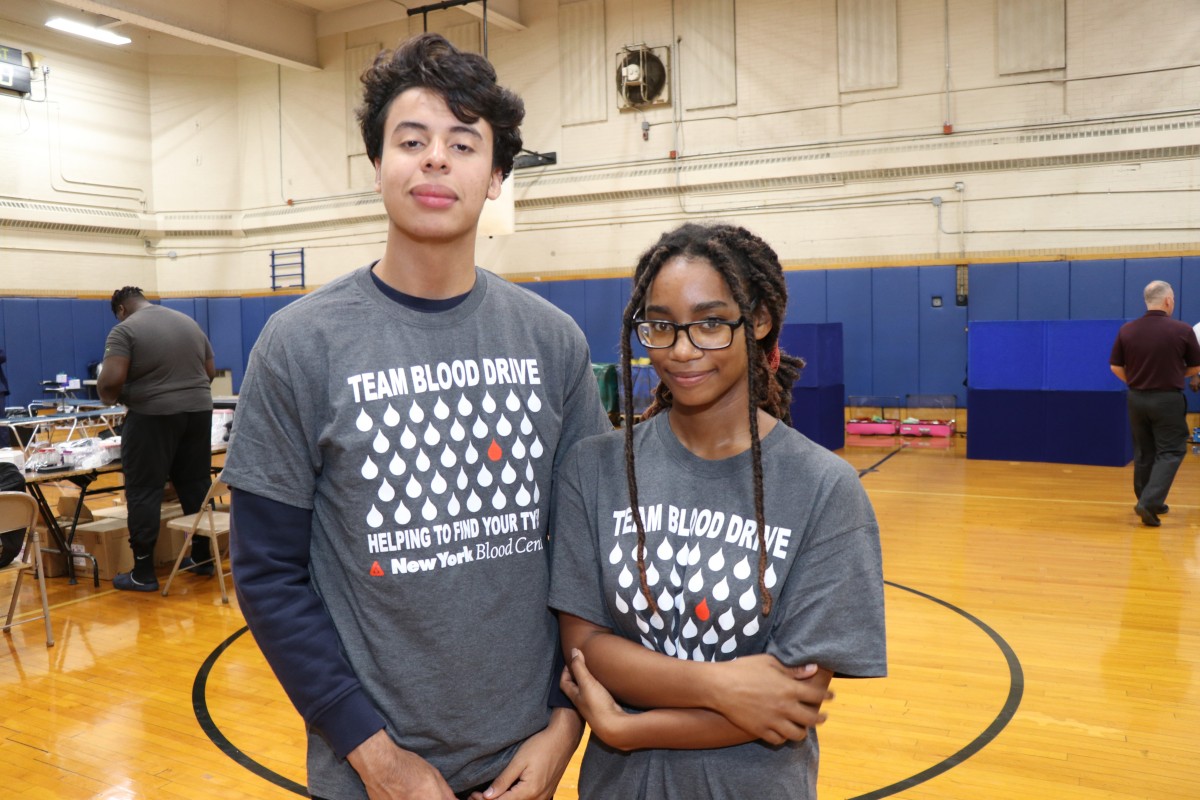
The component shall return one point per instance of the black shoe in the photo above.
(1149, 518)
(203, 570)
(1164, 508)
(126, 582)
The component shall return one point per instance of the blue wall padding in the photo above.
(202, 314)
(1187, 294)
(849, 302)
(1087, 428)
(1077, 355)
(1009, 425)
(993, 291)
(1098, 289)
(895, 331)
(806, 296)
(1139, 272)
(1006, 356)
(57, 335)
(225, 333)
(602, 318)
(942, 358)
(821, 348)
(254, 317)
(184, 305)
(1043, 290)
(22, 337)
(92, 321)
(819, 413)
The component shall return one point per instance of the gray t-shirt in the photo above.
(425, 444)
(823, 570)
(167, 352)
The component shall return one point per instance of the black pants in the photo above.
(155, 449)
(463, 795)
(1158, 421)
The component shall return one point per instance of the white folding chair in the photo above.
(19, 511)
(209, 523)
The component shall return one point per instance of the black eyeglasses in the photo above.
(704, 334)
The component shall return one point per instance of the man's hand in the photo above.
(769, 700)
(392, 773)
(1194, 383)
(539, 763)
(594, 702)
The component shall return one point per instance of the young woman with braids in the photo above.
(698, 650)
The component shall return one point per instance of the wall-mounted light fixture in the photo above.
(86, 31)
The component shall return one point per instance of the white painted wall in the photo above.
(134, 157)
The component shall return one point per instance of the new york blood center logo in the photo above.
(450, 463)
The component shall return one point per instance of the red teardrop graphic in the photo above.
(702, 610)
(494, 451)
(376, 570)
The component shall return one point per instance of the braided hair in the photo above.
(124, 294)
(755, 278)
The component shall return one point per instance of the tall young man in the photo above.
(392, 459)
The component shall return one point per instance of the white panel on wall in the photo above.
(465, 37)
(866, 44)
(1031, 35)
(707, 53)
(357, 60)
(583, 64)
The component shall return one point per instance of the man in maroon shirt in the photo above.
(1154, 355)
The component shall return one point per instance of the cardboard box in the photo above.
(107, 540)
(166, 549)
(66, 507)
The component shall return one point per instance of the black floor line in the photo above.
(1016, 689)
(877, 464)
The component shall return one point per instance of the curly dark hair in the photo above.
(466, 81)
(124, 293)
(755, 277)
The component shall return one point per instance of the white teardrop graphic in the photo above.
(536, 449)
(448, 458)
(696, 582)
(413, 487)
(665, 600)
(726, 619)
(639, 601)
(664, 551)
(503, 426)
(396, 465)
(415, 413)
(402, 515)
(625, 579)
(391, 417)
(698, 654)
(646, 644)
(679, 602)
(441, 410)
(651, 575)
(534, 404)
(742, 570)
(690, 629)
(380, 445)
(464, 406)
(508, 474)
(769, 578)
(528, 470)
(523, 496)
(675, 579)
(730, 645)
(517, 449)
(438, 484)
(480, 428)
(710, 638)
(363, 422)
(452, 508)
(484, 478)
(461, 480)
(457, 431)
(423, 462)
(432, 436)
(374, 518)
(717, 562)
(512, 402)
(386, 492)
(721, 590)
(488, 404)
(499, 501)
(408, 439)
(657, 622)
(682, 557)
(615, 556)
(369, 470)
(537, 493)
(642, 624)
(429, 510)
(751, 626)
(748, 601)
(694, 555)
(472, 455)
(526, 425)
(474, 503)
(620, 603)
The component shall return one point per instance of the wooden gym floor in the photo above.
(1043, 644)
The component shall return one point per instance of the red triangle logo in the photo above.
(376, 570)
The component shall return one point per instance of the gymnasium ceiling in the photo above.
(280, 31)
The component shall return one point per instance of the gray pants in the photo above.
(1158, 421)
